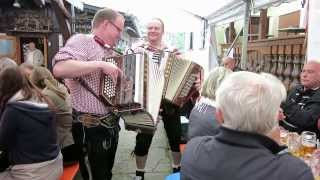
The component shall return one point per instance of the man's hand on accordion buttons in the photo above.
(112, 70)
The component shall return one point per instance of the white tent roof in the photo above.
(177, 14)
(236, 8)
(210, 9)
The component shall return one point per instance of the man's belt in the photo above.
(92, 120)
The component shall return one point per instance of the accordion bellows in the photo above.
(147, 78)
(137, 95)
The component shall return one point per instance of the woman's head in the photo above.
(39, 75)
(211, 84)
(11, 81)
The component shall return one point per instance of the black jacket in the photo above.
(302, 110)
(235, 155)
(28, 132)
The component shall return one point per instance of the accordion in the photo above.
(136, 97)
(180, 76)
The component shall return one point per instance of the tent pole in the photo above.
(244, 52)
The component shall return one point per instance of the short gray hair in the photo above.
(249, 102)
(277, 84)
(6, 62)
(213, 81)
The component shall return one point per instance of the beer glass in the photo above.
(294, 143)
(308, 143)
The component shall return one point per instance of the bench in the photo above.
(70, 171)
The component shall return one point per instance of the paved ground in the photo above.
(159, 160)
(158, 164)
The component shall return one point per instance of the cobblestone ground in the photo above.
(158, 164)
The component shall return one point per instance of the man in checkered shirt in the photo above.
(81, 58)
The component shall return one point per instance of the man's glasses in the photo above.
(114, 25)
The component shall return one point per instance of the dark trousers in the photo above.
(100, 144)
(172, 126)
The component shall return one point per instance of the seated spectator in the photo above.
(302, 106)
(246, 146)
(230, 63)
(27, 130)
(26, 69)
(58, 94)
(6, 62)
(202, 119)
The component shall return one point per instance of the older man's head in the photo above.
(229, 62)
(6, 62)
(248, 102)
(310, 75)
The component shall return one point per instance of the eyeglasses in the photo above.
(114, 25)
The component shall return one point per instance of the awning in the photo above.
(236, 8)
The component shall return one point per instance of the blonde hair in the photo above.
(211, 84)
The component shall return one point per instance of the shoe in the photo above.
(138, 178)
(176, 170)
(139, 175)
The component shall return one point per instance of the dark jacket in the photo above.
(235, 155)
(302, 110)
(28, 132)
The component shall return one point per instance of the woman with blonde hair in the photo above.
(43, 79)
(202, 118)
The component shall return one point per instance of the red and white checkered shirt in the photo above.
(83, 47)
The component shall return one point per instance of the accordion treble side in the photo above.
(180, 76)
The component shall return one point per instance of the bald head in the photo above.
(310, 75)
(229, 62)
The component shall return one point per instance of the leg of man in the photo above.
(102, 147)
(78, 136)
(172, 125)
(143, 142)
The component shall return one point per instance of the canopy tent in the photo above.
(188, 16)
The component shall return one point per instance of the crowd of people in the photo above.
(234, 129)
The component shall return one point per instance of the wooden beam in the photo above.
(263, 22)
(62, 20)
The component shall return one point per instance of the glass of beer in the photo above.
(308, 143)
(294, 143)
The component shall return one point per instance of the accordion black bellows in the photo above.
(137, 95)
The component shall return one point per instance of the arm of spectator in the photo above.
(305, 118)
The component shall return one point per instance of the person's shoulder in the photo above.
(199, 144)
(83, 38)
(138, 46)
(293, 165)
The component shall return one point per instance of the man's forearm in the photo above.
(74, 68)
